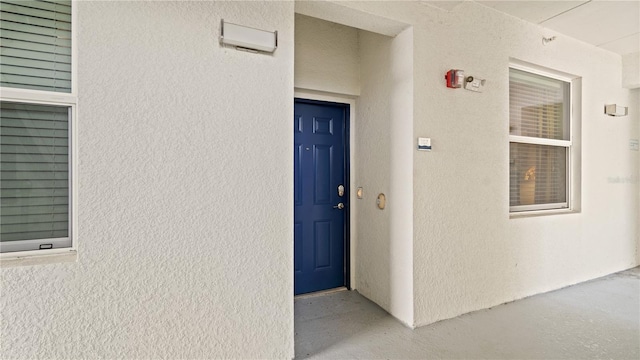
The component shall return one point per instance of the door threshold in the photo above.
(320, 293)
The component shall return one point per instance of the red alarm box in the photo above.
(455, 78)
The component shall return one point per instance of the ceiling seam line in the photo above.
(564, 12)
(624, 37)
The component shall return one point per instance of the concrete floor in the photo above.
(595, 319)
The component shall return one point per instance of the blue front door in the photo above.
(320, 133)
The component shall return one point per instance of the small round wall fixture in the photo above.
(381, 201)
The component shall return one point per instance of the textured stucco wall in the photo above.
(185, 194)
(383, 148)
(381, 153)
(468, 253)
(631, 70)
(401, 173)
(326, 56)
(634, 114)
(373, 161)
(185, 241)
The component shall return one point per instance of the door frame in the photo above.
(313, 97)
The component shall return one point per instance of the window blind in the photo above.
(34, 180)
(537, 106)
(538, 175)
(35, 50)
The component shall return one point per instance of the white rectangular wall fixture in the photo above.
(474, 84)
(247, 38)
(616, 110)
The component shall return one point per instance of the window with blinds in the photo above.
(35, 172)
(539, 141)
(35, 127)
(35, 45)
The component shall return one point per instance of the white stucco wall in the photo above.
(326, 56)
(401, 173)
(185, 182)
(373, 163)
(631, 70)
(381, 151)
(468, 253)
(185, 194)
(634, 114)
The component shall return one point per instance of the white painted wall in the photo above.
(337, 13)
(373, 163)
(468, 254)
(185, 196)
(382, 150)
(634, 115)
(326, 56)
(401, 182)
(185, 173)
(319, 75)
(631, 71)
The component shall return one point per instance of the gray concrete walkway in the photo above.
(593, 320)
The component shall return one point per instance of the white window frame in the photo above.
(568, 144)
(41, 97)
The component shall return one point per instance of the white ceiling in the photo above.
(613, 25)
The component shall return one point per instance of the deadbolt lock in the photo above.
(340, 190)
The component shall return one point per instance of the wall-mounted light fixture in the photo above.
(616, 110)
(247, 38)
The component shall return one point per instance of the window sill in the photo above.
(38, 258)
(536, 213)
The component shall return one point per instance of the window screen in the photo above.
(538, 174)
(34, 181)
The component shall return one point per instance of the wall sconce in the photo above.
(246, 38)
(616, 110)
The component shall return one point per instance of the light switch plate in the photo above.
(424, 144)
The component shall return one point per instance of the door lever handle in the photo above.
(340, 206)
